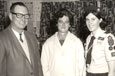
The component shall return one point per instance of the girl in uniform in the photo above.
(100, 45)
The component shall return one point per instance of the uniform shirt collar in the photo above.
(17, 33)
(98, 33)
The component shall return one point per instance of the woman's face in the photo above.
(92, 22)
(63, 24)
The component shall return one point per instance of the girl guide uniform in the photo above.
(103, 51)
(63, 60)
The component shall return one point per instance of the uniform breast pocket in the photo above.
(98, 56)
(99, 44)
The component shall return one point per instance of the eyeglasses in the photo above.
(19, 15)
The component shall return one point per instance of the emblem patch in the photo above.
(113, 54)
(100, 38)
(114, 47)
(110, 41)
(110, 48)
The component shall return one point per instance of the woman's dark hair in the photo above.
(63, 12)
(97, 12)
(53, 22)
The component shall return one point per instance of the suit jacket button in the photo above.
(32, 73)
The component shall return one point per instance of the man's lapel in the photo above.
(16, 43)
(30, 47)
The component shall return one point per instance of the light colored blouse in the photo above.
(63, 60)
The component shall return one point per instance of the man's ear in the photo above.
(10, 16)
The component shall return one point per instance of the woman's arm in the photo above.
(111, 65)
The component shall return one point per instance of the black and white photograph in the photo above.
(57, 37)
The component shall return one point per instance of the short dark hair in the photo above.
(63, 12)
(92, 9)
(97, 12)
(15, 4)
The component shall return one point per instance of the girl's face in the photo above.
(92, 22)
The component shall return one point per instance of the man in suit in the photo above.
(19, 55)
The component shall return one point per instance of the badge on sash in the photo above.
(113, 54)
(100, 38)
(110, 42)
(110, 48)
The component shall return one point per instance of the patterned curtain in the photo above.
(4, 21)
(47, 25)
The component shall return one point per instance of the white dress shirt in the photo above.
(23, 44)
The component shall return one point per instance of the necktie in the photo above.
(21, 37)
(88, 60)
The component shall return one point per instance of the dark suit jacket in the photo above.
(13, 61)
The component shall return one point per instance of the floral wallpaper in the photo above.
(47, 25)
(3, 19)
(48, 9)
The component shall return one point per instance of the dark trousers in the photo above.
(97, 74)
